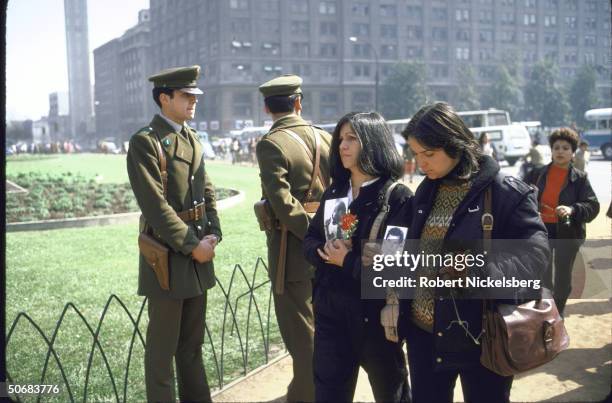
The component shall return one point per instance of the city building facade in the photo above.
(341, 47)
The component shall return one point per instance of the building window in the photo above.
(551, 55)
(388, 31)
(550, 20)
(485, 16)
(361, 50)
(361, 100)
(530, 56)
(360, 29)
(300, 28)
(530, 37)
(329, 28)
(270, 48)
(388, 52)
(529, 19)
(591, 5)
(361, 70)
(414, 13)
(462, 15)
(570, 40)
(269, 5)
(485, 36)
(327, 50)
(388, 10)
(550, 4)
(570, 22)
(327, 7)
(508, 36)
(414, 33)
(589, 40)
(439, 53)
(570, 57)
(270, 70)
(508, 3)
(530, 3)
(571, 5)
(589, 58)
(414, 51)
(329, 71)
(300, 49)
(462, 53)
(439, 14)
(360, 10)
(508, 18)
(590, 23)
(241, 103)
(439, 71)
(239, 4)
(485, 54)
(439, 34)
(298, 6)
(269, 27)
(486, 72)
(462, 35)
(551, 38)
(301, 69)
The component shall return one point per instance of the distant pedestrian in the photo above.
(582, 156)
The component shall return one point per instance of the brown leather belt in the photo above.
(193, 214)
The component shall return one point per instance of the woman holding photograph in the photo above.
(443, 333)
(567, 202)
(348, 334)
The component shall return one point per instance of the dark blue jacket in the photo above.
(515, 212)
(345, 281)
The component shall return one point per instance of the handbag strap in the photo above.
(316, 160)
(487, 220)
(384, 212)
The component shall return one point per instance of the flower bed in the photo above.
(67, 195)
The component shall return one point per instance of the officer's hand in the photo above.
(204, 252)
(369, 250)
(211, 239)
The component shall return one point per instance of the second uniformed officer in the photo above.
(286, 157)
(180, 214)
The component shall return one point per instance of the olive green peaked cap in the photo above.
(178, 78)
(287, 84)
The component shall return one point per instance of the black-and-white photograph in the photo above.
(334, 210)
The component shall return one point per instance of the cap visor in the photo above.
(194, 91)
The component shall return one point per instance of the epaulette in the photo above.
(517, 184)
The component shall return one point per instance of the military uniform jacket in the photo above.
(285, 171)
(188, 185)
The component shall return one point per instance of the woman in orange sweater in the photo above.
(567, 202)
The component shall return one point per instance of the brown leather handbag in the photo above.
(517, 338)
(154, 252)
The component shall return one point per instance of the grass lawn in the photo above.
(47, 269)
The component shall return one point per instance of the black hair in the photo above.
(396, 232)
(438, 126)
(378, 157)
(565, 134)
(158, 91)
(281, 103)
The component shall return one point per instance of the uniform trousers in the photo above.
(563, 253)
(296, 324)
(176, 332)
(346, 339)
(429, 385)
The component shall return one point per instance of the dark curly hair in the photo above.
(437, 126)
(566, 134)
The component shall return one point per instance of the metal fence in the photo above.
(245, 319)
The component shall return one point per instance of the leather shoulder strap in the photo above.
(316, 171)
(384, 211)
(487, 219)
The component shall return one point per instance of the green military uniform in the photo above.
(176, 316)
(285, 171)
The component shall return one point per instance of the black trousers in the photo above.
(562, 257)
(176, 333)
(343, 342)
(431, 386)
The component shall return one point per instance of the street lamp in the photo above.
(354, 39)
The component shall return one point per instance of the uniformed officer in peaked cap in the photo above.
(181, 214)
(286, 160)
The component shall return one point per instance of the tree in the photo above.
(544, 100)
(466, 96)
(404, 91)
(504, 93)
(583, 93)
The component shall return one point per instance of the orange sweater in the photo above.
(550, 197)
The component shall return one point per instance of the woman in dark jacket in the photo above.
(443, 333)
(567, 202)
(348, 333)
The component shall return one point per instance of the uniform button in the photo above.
(439, 334)
(365, 320)
(195, 202)
(441, 299)
(192, 178)
(199, 228)
(203, 199)
(438, 360)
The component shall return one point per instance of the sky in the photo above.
(36, 48)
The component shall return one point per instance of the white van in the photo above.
(511, 142)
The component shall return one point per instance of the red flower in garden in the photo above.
(348, 223)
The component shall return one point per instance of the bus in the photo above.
(485, 118)
(599, 131)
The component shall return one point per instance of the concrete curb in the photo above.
(110, 219)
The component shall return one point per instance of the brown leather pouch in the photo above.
(265, 217)
(311, 207)
(156, 256)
